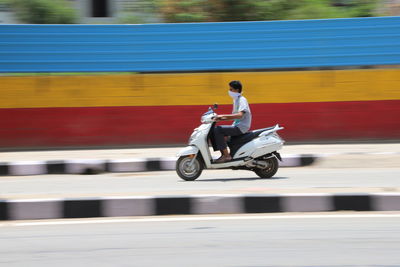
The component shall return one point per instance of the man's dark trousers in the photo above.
(219, 134)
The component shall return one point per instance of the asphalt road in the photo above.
(237, 241)
(297, 180)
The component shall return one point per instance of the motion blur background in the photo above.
(147, 84)
(105, 82)
(83, 74)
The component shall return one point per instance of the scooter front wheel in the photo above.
(189, 168)
(270, 171)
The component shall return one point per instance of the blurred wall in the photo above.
(200, 46)
(164, 108)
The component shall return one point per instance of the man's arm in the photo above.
(227, 117)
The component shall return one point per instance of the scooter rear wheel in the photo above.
(270, 171)
(186, 171)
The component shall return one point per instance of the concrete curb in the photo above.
(88, 166)
(35, 209)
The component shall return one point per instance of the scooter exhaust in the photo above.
(257, 164)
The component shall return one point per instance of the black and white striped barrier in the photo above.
(122, 165)
(194, 204)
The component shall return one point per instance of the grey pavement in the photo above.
(371, 187)
(157, 159)
(170, 152)
(235, 241)
(287, 180)
(352, 169)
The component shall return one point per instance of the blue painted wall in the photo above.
(200, 46)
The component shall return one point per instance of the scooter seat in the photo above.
(238, 141)
(243, 138)
(247, 137)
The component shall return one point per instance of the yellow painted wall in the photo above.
(198, 88)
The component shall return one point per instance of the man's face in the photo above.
(233, 90)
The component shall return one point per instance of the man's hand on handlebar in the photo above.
(217, 118)
(220, 118)
(227, 117)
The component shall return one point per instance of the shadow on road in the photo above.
(240, 179)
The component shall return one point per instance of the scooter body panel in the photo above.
(259, 146)
(201, 143)
(189, 150)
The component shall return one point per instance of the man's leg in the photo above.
(219, 134)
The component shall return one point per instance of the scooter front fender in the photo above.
(189, 150)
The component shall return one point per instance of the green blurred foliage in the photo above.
(255, 10)
(317, 9)
(44, 11)
(364, 8)
(184, 10)
(130, 18)
(250, 10)
(139, 12)
(325, 9)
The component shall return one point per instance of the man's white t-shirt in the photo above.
(241, 104)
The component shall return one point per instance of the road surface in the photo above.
(341, 239)
(287, 180)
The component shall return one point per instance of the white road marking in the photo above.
(198, 218)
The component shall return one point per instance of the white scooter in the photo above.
(255, 151)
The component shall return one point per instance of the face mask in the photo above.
(233, 94)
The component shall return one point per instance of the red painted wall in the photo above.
(105, 126)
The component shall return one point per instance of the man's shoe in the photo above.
(223, 159)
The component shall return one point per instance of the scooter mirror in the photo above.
(215, 106)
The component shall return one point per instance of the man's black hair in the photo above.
(236, 85)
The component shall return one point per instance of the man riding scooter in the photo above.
(241, 115)
(254, 151)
